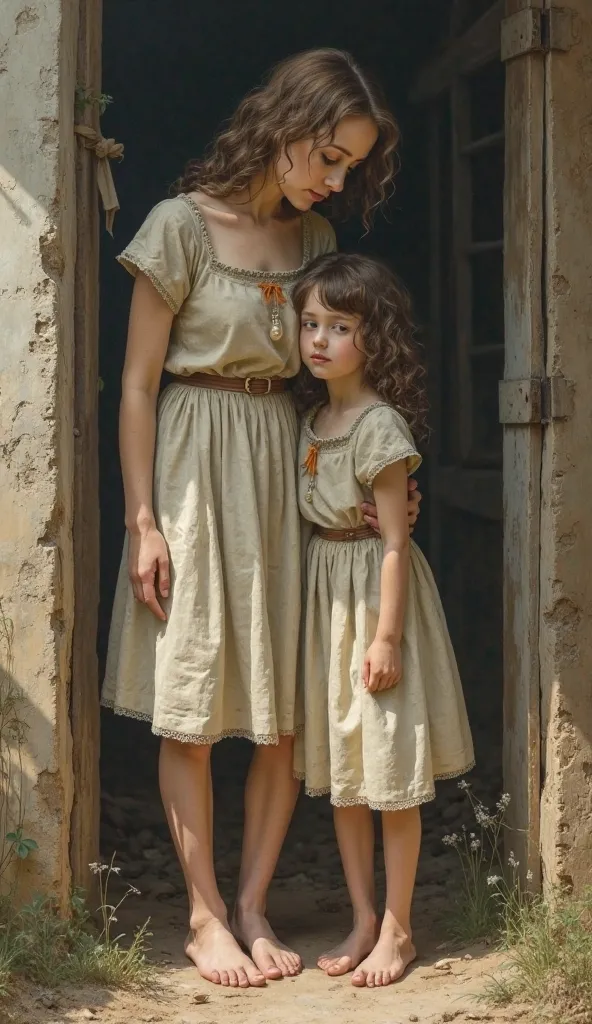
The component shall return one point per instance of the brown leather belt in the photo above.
(356, 533)
(253, 386)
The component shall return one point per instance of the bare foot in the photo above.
(387, 962)
(348, 954)
(218, 958)
(270, 955)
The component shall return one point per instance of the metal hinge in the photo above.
(535, 400)
(533, 30)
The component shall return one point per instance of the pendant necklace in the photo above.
(274, 297)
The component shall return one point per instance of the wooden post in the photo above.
(84, 838)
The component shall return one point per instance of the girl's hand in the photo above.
(148, 556)
(382, 666)
(414, 497)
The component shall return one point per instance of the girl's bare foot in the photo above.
(274, 959)
(348, 954)
(218, 957)
(387, 962)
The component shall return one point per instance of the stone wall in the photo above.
(38, 232)
(566, 533)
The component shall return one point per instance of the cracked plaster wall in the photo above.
(38, 233)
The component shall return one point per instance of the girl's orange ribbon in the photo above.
(272, 292)
(310, 462)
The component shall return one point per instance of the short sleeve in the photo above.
(383, 438)
(166, 249)
(323, 235)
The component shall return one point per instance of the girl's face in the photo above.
(330, 342)
(307, 175)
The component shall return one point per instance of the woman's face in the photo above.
(307, 175)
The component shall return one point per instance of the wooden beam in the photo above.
(524, 333)
(478, 46)
(84, 701)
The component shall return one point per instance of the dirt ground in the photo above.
(308, 907)
(427, 994)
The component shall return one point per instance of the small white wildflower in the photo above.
(451, 840)
(503, 802)
(529, 876)
(97, 869)
(116, 871)
(112, 918)
(134, 891)
(493, 879)
(472, 835)
(463, 784)
(476, 844)
(512, 860)
(483, 817)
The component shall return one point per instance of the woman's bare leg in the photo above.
(270, 798)
(394, 950)
(186, 790)
(355, 836)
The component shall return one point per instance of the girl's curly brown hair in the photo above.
(305, 96)
(368, 289)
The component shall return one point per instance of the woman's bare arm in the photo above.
(148, 338)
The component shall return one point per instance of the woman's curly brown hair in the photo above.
(368, 289)
(305, 96)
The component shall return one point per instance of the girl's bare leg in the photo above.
(186, 790)
(394, 950)
(355, 835)
(270, 798)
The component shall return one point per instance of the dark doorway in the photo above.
(175, 72)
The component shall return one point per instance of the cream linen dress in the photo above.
(380, 749)
(225, 499)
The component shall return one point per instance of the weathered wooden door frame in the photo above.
(522, 445)
(84, 697)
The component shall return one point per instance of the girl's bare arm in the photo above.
(148, 338)
(383, 660)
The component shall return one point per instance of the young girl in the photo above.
(384, 709)
(204, 634)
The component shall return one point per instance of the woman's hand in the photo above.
(414, 498)
(382, 666)
(148, 557)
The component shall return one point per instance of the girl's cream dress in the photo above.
(381, 749)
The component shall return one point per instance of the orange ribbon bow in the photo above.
(272, 292)
(310, 462)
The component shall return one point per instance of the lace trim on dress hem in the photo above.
(384, 805)
(127, 256)
(455, 774)
(260, 739)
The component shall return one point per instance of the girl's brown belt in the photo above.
(356, 533)
(253, 386)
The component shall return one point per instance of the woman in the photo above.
(210, 491)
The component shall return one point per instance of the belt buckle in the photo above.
(248, 384)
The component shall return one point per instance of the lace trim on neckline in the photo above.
(242, 273)
(342, 439)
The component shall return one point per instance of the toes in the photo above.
(233, 978)
(241, 974)
(341, 966)
(359, 979)
(270, 969)
(255, 977)
(295, 960)
(224, 979)
(215, 978)
(371, 979)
